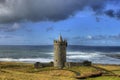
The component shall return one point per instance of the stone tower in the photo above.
(60, 52)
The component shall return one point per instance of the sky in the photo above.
(80, 22)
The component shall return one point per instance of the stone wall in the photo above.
(42, 65)
(84, 63)
(67, 64)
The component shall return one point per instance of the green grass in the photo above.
(24, 71)
(83, 70)
(111, 68)
(104, 78)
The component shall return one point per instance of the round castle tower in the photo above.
(60, 52)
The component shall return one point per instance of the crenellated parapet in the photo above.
(56, 42)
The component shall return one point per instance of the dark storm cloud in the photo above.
(98, 6)
(118, 14)
(113, 13)
(2, 1)
(110, 13)
(39, 10)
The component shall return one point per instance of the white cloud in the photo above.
(10, 27)
(89, 37)
(15, 26)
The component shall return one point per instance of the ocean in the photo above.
(75, 53)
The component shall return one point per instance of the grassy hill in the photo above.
(24, 71)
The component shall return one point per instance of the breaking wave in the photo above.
(95, 57)
(31, 60)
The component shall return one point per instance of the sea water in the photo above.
(75, 53)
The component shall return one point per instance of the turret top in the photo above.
(60, 38)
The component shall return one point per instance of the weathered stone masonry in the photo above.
(60, 52)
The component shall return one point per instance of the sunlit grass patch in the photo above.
(104, 78)
(84, 70)
(111, 68)
(24, 71)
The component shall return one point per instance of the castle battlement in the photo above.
(60, 43)
(56, 41)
